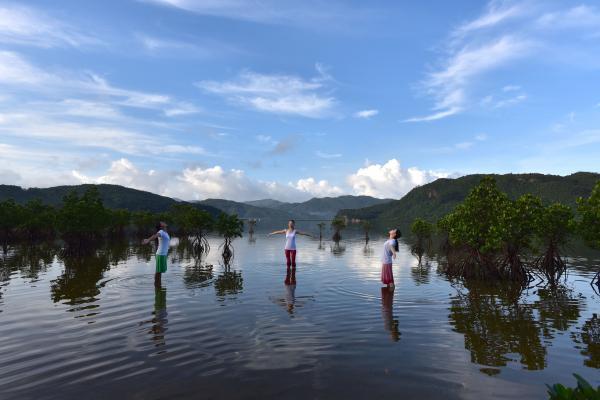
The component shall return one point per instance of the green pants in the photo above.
(161, 263)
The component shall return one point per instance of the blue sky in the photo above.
(289, 100)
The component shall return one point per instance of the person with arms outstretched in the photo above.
(162, 249)
(290, 242)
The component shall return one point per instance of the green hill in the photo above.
(113, 196)
(437, 198)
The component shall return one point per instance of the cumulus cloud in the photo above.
(390, 180)
(276, 93)
(198, 183)
(316, 188)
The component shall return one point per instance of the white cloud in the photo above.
(435, 116)
(26, 26)
(580, 17)
(98, 135)
(327, 155)
(366, 114)
(511, 88)
(450, 84)
(390, 180)
(316, 188)
(198, 183)
(497, 13)
(16, 72)
(309, 13)
(277, 94)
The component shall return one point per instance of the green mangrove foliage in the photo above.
(194, 223)
(422, 232)
(489, 235)
(82, 221)
(338, 224)
(589, 210)
(229, 227)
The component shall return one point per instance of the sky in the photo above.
(290, 100)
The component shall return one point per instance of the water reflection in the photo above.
(496, 325)
(588, 340)
(78, 283)
(290, 290)
(420, 273)
(558, 309)
(159, 321)
(197, 275)
(337, 249)
(390, 323)
(228, 283)
(28, 259)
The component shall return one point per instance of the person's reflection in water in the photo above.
(290, 290)
(387, 311)
(159, 322)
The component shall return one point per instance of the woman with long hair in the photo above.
(290, 242)
(390, 248)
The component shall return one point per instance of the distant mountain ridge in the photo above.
(113, 196)
(275, 213)
(270, 213)
(435, 199)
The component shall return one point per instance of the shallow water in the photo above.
(96, 328)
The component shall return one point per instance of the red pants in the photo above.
(290, 256)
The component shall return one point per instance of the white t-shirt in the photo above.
(163, 243)
(386, 258)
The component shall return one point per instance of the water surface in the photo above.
(96, 327)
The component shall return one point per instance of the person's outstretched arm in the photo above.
(151, 238)
(304, 234)
(277, 232)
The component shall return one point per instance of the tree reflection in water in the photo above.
(589, 336)
(229, 282)
(495, 325)
(387, 311)
(558, 309)
(29, 259)
(337, 249)
(79, 282)
(197, 275)
(420, 273)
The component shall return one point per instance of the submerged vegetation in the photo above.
(338, 224)
(82, 222)
(229, 227)
(490, 236)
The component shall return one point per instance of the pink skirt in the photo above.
(386, 274)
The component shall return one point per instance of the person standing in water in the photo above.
(390, 248)
(290, 242)
(162, 249)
